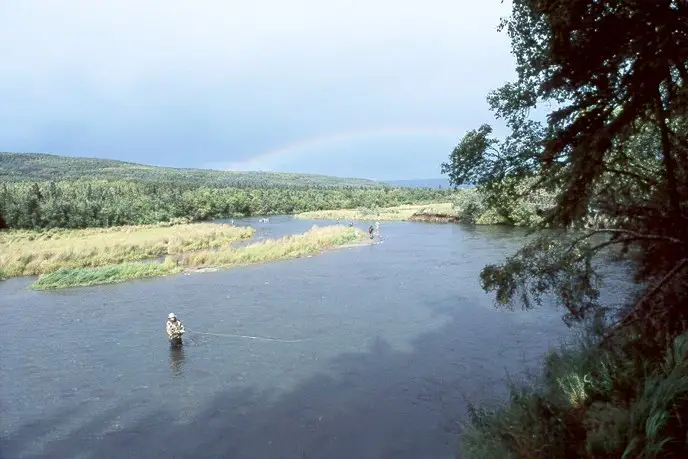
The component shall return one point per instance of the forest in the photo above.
(38, 167)
(50, 191)
(103, 203)
(608, 171)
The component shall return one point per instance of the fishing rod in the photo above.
(256, 338)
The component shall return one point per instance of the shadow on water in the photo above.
(368, 405)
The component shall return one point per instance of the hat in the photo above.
(171, 316)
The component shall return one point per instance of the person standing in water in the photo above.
(371, 231)
(377, 229)
(175, 330)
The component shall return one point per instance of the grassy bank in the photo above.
(28, 253)
(396, 213)
(591, 403)
(312, 242)
(83, 277)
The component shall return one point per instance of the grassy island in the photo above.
(30, 253)
(395, 213)
(312, 242)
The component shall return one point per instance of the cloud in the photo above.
(191, 82)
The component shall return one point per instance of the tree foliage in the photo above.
(615, 146)
(614, 150)
(98, 203)
(37, 167)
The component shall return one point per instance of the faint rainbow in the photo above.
(309, 143)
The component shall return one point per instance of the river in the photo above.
(385, 344)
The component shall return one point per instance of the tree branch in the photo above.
(632, 315)
(655, 237)
(647, 180)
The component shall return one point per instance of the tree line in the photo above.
(101, 203)
(38, 167)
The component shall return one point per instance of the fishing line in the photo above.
(257, 338)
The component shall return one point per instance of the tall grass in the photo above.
(396, 213)
(83, 277)
(591, 403)
(312, 242)
(27, 253)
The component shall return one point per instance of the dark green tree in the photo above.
(615, 145)
(614, 149)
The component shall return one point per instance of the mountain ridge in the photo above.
(16, 167)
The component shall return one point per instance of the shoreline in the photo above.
(408, 212)
(315, 241)
(214, 269)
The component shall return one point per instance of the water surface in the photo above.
(392, 340)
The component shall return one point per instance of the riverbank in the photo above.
(312, 242)
(591, 401)
(31, 253)
(395, 213)
(434, 218)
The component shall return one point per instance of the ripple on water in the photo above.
(395, 338)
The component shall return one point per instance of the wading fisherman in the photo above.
(175, 330)
(371, 230)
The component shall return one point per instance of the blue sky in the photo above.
(370, 88)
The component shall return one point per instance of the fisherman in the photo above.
(175, 330)
(371, 230)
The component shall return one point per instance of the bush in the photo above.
(591, 403)
(468, 204)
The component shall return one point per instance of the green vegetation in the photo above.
(591, 403)
(311, 242)
(92, 203)
(30, 253)
(381, 213)
(609, 169)
(38, 167)
(84, 277)
(526, 208)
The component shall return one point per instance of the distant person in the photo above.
(351, 224)
(377, 228)
(371, 231)
(175, 330)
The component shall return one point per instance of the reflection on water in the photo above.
(176, 359)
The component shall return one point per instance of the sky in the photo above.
(377, 89)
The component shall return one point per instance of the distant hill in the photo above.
(421, 183)
(15, 167)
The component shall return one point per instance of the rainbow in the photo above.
(322, 141)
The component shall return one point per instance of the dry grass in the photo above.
(27, 253)
(312, 242)
(396, 213)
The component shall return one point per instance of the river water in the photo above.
(382, 347)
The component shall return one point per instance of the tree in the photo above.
(615, 152)
(616, 143)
